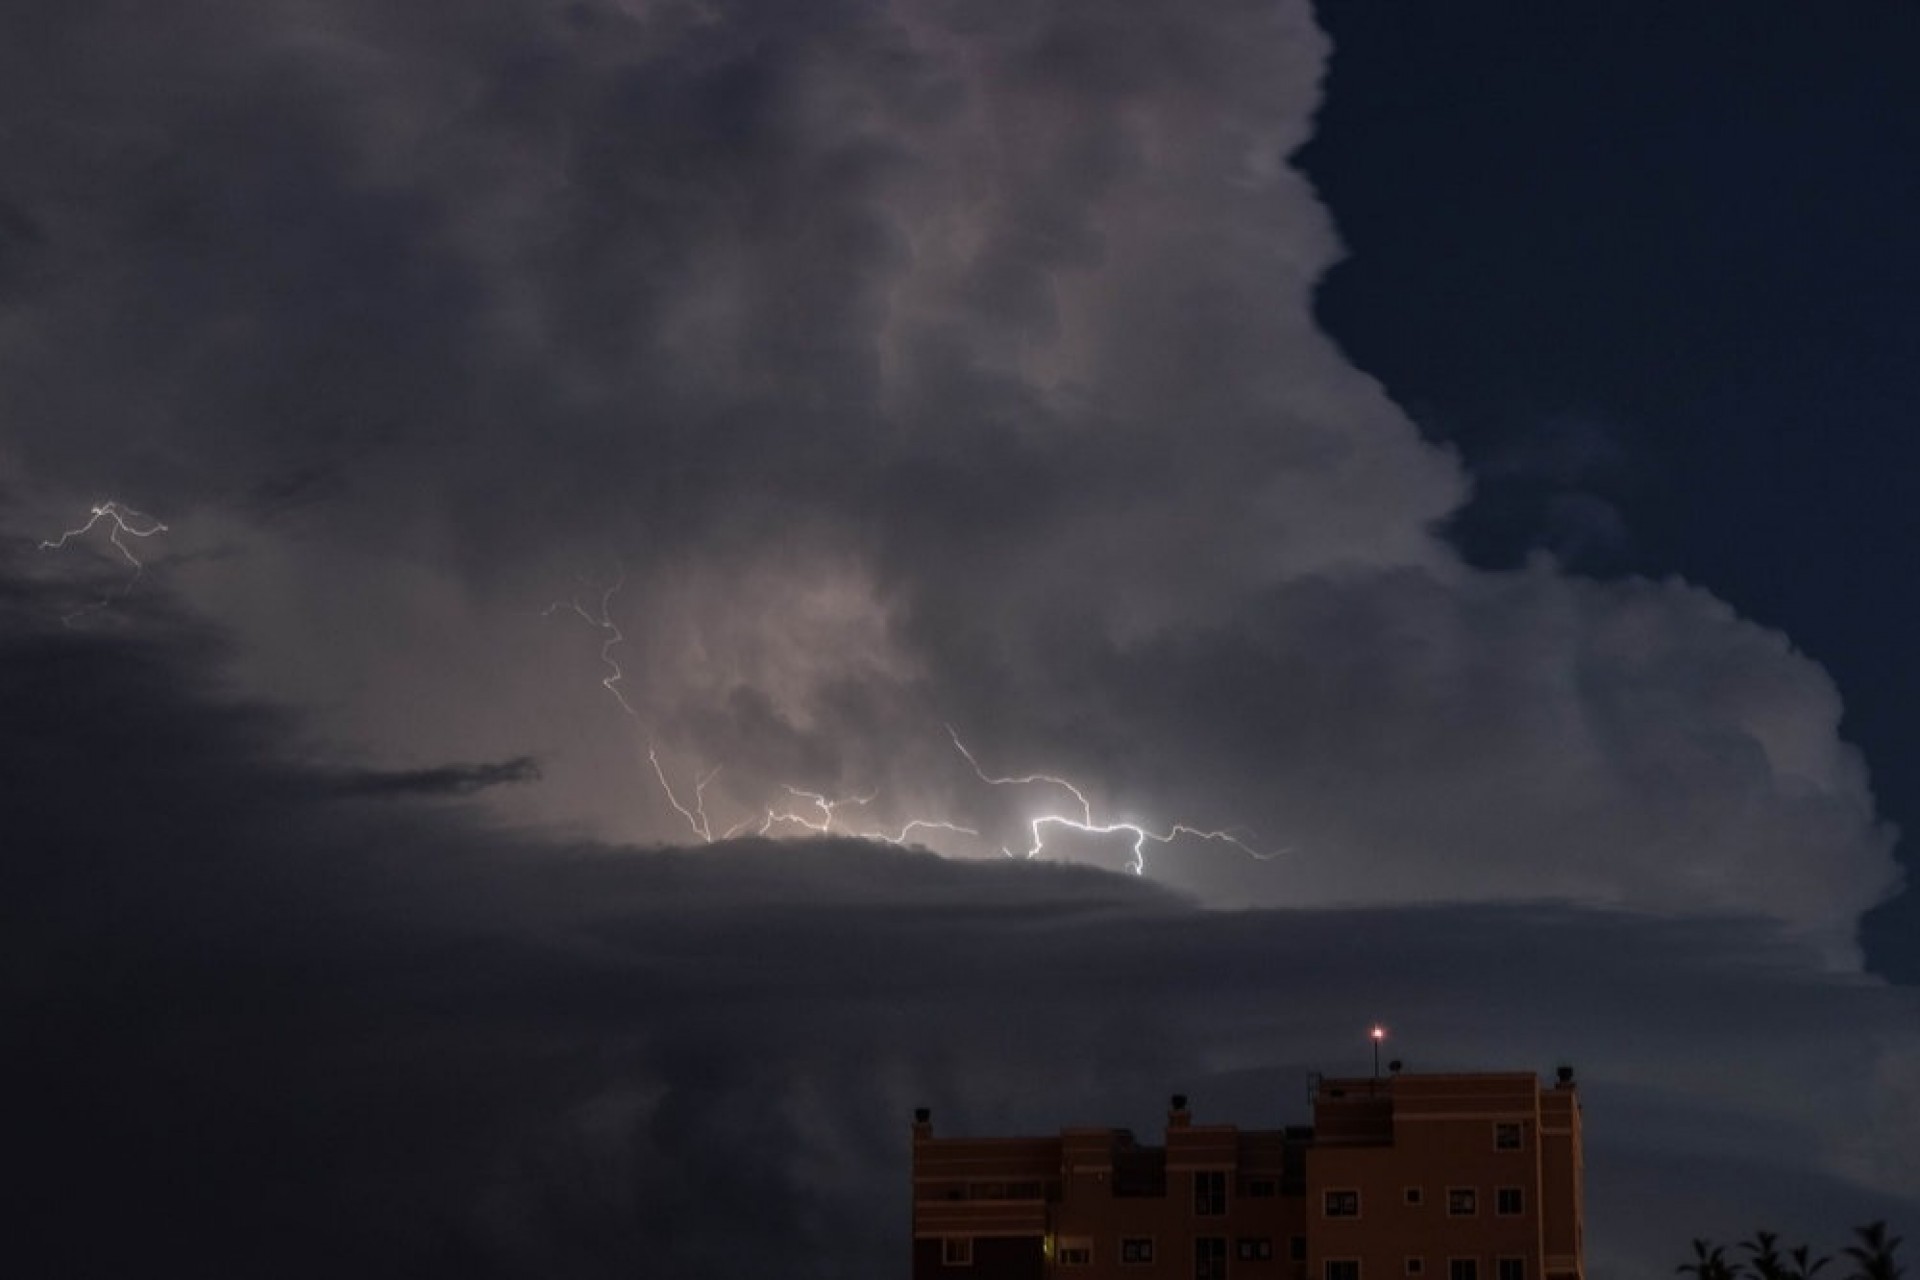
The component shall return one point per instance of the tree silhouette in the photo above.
(1803, 1267)
(1709, 1262)
(1872, 1257)
(1763, 1256)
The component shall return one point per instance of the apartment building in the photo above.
(1422, 1177)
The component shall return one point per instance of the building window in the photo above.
(1210, 1193)
(1297, 1248)
(1416, 1266)
(1342, 1269)
(1259, 1188)
(1074, 1253)
(1463, 1269)
(1341, 1204)
(1253, 1248)
(1461, 1202)
(1511, 1269)
(1210, 1258)
(1506, 1135)
(1413, 1195)
(1509, 1201)
(1136, 1249)
(956, 1251)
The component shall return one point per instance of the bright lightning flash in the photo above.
(1087, 824)
(819, 814)
(123, 521)
(822, 822)
(600, 617)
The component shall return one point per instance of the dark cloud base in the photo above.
(264, 1029)
(442, 780)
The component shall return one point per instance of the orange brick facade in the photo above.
(1401, 1177)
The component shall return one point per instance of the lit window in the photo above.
(1342, 1204)
(1210, 1258)
(1413, 1195)
(1416, 1266)
(956, 1251)
(1509, 1201)
(1511, 1269)
(1136, 1249)
(1253, 1248)
(1461, 1202)
(1342, 1269)
(1463, 1269)
(1506, 1135)
(1210, 1193)
(1074, 1253)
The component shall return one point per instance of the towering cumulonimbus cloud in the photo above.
(389, 1038)
(907, 364)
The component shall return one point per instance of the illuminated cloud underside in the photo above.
(916, 371)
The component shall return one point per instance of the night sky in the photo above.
(635, 519)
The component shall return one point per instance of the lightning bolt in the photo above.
(823, 822)
(125, 522)
(1089, 825)
(918, 824)
(696, 815)
(817, 813)
(600, 617)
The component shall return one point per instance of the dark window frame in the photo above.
(1209, 1193)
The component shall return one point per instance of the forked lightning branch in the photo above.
(802, 810)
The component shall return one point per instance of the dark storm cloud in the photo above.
(906, 365)
(276, 1031)
(442, 780)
